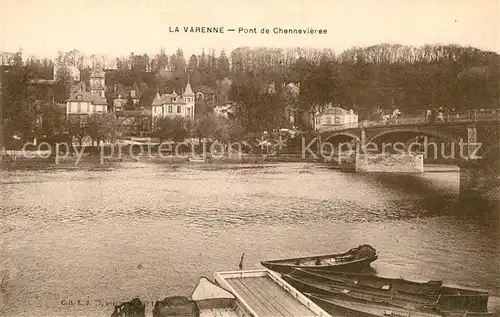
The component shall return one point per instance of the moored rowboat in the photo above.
(346, 292)
(395, 292)
(214, 301)
(354, 259)
(340, 307)
(429, 289)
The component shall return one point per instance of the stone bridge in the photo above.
(476, 135)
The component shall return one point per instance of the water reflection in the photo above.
(82, 233)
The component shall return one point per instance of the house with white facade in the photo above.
(85, 102)
(174, 104)
(333, 116)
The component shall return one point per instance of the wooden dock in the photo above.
(264, 294)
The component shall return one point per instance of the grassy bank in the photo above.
(98, 162)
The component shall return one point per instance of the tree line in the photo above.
(268, 86)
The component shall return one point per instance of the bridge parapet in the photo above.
(490, 115)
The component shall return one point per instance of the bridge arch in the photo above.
(348, 134)
(441, 135)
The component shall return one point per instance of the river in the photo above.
(150, 231)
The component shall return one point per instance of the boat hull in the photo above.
(449, 301)
(339, 307)
(429, 289)
(354, 266)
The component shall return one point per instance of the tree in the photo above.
(222, 66)
(205, 127)
(102, 127)
(19, 107)
(63, 82)
(51, 121)
(174, 128)
(77, 128)
(222, 90)
(147, 97)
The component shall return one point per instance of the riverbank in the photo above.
(96, 161)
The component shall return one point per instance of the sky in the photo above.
(117, 28)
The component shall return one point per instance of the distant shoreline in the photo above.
(94, 162)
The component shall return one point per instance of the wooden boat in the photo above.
(430, 288)
(214, 301)
(346, 292)
(352, 260)
(341, 307)
(447, 300)
(447, 297)
(133, 308)
(453, 300)
(175, 306)
(261, 293)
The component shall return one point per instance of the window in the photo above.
(79, 97)
(169, 109)
(328, 120)
(189, 111)
(178, 109)
(175, 99)
(79, 107)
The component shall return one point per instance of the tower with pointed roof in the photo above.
(188, 96)
(97, 84)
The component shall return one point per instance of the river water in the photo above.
(150, 231)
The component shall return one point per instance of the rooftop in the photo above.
(97, 72)
(86, 96)
(172, 98)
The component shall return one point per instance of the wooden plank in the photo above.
(242, 304)
(261, 303)
(281, 299)
(286, 300)
(280, 291)
(301, 298)
(249, 298)
(243, 274)
(262, 298)
(273, 300)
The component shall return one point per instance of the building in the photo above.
(333, 116)
(97, 83)
(122, 94)
(84, 102)
(174, 104)
(224, 110)
(206, 94)
(135, 122)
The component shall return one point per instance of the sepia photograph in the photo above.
(163, 158)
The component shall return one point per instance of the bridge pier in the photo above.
(363, 138)
(471, 141)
